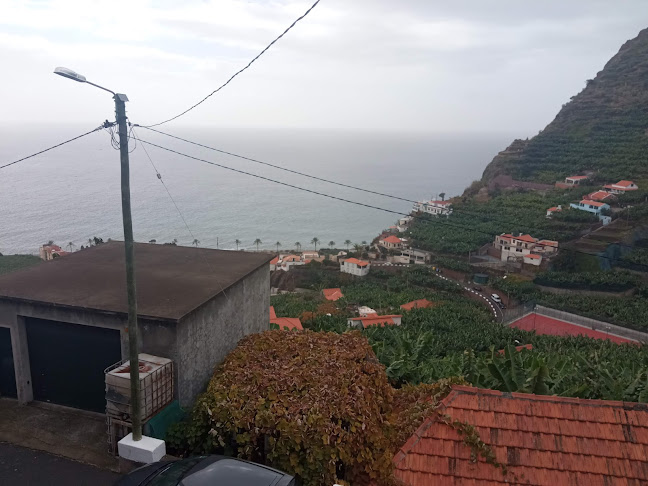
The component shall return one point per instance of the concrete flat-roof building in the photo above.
(62, 323)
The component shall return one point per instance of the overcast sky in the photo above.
(439, 66)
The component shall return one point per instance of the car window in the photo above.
(231, 472)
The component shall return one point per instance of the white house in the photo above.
(287, 261)
(591, 206)
(555, 209)
(621, 187)
(310, 255)
(355, 267)
(438, 208)
(273, 263)
(525, 247)
(575, 180)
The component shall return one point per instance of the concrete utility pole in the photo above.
(120, 114)
(129, 246)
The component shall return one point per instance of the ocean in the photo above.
(72, 193)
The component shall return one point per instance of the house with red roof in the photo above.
(332, 294)
(356, 267)
(552, 210)
(519, 248)
(288, 323)
(541, 441)
(390, 242)
(273, 263)
(576, 180)
(621, 187)
(601, 196)
(374, 320)
(50, 252)
(418, 304)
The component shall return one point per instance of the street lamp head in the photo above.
(68, 73)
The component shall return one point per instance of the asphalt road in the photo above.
(25, 467)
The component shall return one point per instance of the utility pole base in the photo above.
(146, 450)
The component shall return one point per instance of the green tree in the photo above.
(278, 244)
(298, 246)
(315, 241)
(70, 246)
(347, 243)
(257, 242)
(238, 242)
(195, 242)
(331, 244)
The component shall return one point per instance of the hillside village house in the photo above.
(621, 187)
(521, 246)
(194, 305)
(555, 209)
(356, 267)
(50, 252)
(576, 180)
(438, 208)
(374, 320)
(591, 206)
(390, 242)
(285, 323)
(332, 294)
(601, 196)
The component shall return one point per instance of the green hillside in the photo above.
(604, 128)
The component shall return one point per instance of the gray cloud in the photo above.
(375, 64)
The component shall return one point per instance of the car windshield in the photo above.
(172, 475)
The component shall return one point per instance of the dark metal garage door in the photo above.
(67, 362)
(7, 372)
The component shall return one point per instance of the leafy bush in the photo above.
(312, 404)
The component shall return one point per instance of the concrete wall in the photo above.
(208, 334)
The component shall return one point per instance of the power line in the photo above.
(357, 203)
(280, 168)
(455, 210)
(159, 176)
(240, 70)
(104, 125)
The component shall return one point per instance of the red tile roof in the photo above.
(624, 183)
(577, 178)
(592, 203)
(332, 294)
(274, 261)
(518, 348)
(376, 320)
(527, 238)
(547, 325)
(418, 304)
(288, 323)
(291, 258)
(392, 239)
(533, 256)
(551, 243)
(599, 196)
(360, 263)
(543, 440)
(554, 209)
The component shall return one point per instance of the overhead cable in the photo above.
(240, 70)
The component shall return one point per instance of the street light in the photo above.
(120, 116)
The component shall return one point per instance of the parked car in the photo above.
(206, 471)
(496, 298)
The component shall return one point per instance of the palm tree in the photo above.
(90, 241)
(238, 242)
(257, 242)
(278, 245)
(315, 241)
(298, 246)
(70, 245)
(195, 242)
(442, 195)
(358, 248)
(347, 243)
(331, 244)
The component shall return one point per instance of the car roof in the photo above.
(230, 471)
